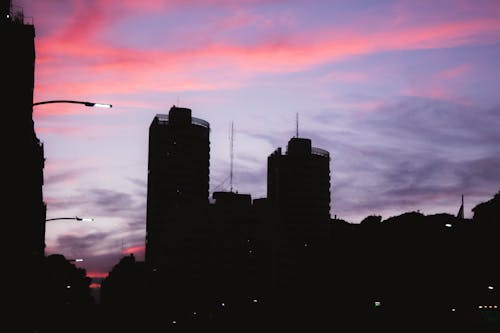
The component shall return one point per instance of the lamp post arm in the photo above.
(70, 218)
(91, 104)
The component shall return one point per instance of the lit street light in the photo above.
(90, 104)
(83, 219)
(75, 260)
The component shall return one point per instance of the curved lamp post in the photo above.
(83, 219)
(90, 104)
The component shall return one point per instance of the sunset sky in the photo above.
(403, 94)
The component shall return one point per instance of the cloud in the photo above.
(412, 153)
(53, 176)
(134, 249)
(216, 64)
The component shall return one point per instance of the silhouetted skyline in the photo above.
(406, 103)
(226, 260)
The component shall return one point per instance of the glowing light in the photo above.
(101, 105)
(377, 303)
(491, 287)
(448, 225)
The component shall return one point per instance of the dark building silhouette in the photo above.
(232, 234)
(298, 182)
(24, 151)
(298, 195)
(178, 182)
(177, 239)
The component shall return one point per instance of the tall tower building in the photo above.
(23, 153)
(178, 186)
(298, 193)
(298, 183)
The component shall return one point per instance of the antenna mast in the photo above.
(297, 125)
(231, 158)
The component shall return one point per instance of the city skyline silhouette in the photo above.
(409, 125)
(403, 165)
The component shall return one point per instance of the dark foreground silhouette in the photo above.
(407, 272)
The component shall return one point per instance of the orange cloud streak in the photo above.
(134, 249)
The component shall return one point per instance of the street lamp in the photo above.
(90, 104)
(83, 219)
(75, 260)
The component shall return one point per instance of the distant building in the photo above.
(178, 185)
(231, 220)
(298, 183)
(23, 152)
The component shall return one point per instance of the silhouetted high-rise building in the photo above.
(23, 152)
(298, 193)
(178, 185)
(298, 183)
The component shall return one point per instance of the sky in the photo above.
(403, 94)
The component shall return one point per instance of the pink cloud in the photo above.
(296, 52)
(97, 275)
(134, 249)
(455, 72)
(439, 85)
(106, 69)
(347, 77)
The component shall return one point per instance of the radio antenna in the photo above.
(297, 125)
(231, 138)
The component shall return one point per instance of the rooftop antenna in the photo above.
(297, 125)
(231, 138)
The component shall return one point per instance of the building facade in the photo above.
(24, 155)
(298, 194)
(178, 186)
(298, 183)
